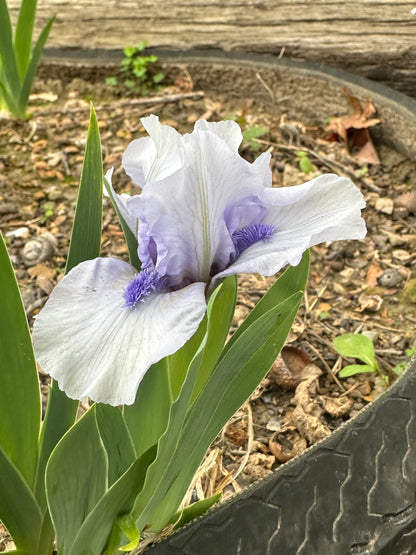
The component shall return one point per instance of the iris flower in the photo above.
(203, 213)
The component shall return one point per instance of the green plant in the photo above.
(136, 68)
(361, 172)
(18, 60)
(356, 345)
(48, 211)
(252, 133)
(304, 161)
(399, 368)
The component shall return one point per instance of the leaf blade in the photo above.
(30, 73)
(20, 407)
(85, 244)
(9, 68)
(118, 500)
(19, 510)
(117, 441)
(23, 34)
(74, 484)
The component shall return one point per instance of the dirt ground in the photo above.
(364, 286)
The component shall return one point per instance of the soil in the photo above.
(364, 286)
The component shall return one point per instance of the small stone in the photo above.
(38, 250)
(371, 334)
(390, 278)
(39, 195)
(385, 205)
(45, 284)
(20, 233)
(401, 255)
(8, 208)
(275, 423)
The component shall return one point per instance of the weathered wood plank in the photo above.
(373, 38)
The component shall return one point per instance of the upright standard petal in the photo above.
(96, 342)
(189, 216)
(155, 157)
(126, 204)
(326, 208)
(229, 131)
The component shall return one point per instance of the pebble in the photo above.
(371, 334)
(38, 250)
(20, 232)
(390, 278)
(385, 205)
(275, 423)
(8, 208)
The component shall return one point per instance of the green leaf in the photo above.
(118, 501)
(356, 345)
(23, 34)
(10, 73)
(254, 132)
(129, 528)
(32, 67)
(232, 381)
(19, 510)
(160, 476)
(292, 280)
(151, 406)
(130, 237)
(117, 441)
(76, 478)
(85, 245)
(193, 511)
(8, 99)
(353, 369)
(179, 362)
(20, 404)
(86, 231)
(305, 165)
(220, 312)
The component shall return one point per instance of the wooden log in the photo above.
(372, 38)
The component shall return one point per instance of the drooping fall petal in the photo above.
(96, 344)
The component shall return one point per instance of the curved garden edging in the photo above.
(355, 491)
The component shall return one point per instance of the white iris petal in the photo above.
(99, 347)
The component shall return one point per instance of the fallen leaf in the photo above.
(286, 444)
(373, 273)
(353, 129)
(287, 370)
(372, 303)
(336, 406)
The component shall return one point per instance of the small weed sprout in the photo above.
(356, 345)
(252, 133)
(136, 69)
(304, 161)
(399, 368)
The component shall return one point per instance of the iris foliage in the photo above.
(18, 60)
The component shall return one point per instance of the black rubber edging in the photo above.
(355, 492)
